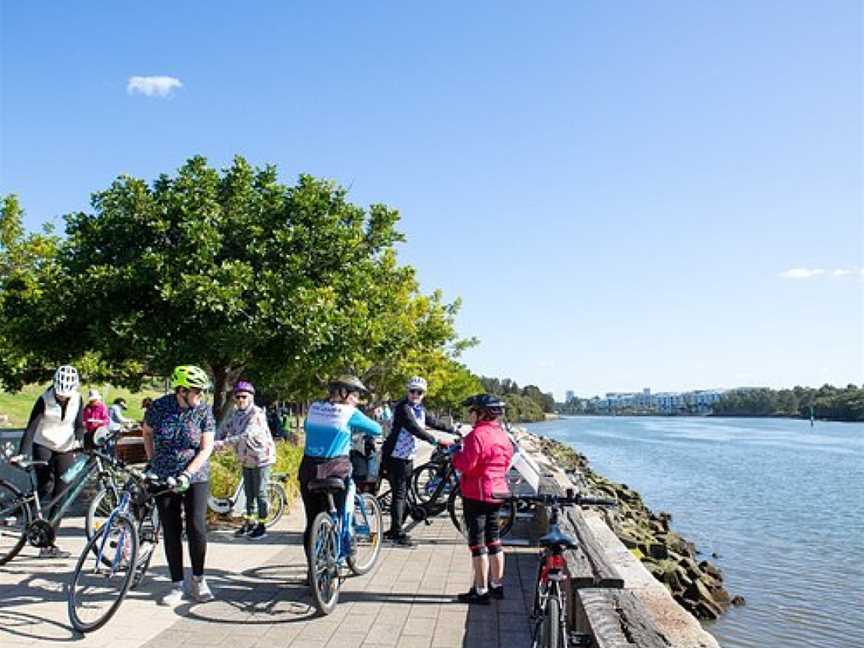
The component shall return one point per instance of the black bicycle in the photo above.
(21, 513)
(435, 488)
(549, 609)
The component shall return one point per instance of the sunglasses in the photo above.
(241, 396)
(419, 392)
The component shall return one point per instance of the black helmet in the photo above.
(485, 403)
(349, 382)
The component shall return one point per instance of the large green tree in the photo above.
(242, 274)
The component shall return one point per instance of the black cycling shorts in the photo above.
(481, 518)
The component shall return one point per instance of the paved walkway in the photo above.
(406, 601)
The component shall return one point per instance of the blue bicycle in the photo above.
(117, 555)
(331, 547)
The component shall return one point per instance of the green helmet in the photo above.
(190, 377)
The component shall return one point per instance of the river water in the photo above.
(781, 503)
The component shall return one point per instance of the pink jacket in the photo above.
(95, 415)
(483, 462)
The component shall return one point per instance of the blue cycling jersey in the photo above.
(329, 425)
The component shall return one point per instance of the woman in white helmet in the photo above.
(410, 421)
(54, 431)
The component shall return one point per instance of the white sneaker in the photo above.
(175, 596)
(200, 590)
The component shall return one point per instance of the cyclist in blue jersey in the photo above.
(328, 428)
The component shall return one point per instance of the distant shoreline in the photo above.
(699, 416)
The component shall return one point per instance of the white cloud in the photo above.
(802, 273)
(809, 273)
(152, 86)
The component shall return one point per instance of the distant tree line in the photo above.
(828, 402)
(524, 404)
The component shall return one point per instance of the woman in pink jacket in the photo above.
(95, 411)
(483, 463)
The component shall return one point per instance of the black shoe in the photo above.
(259, 531)
(388, 535)
(53, 552)
(497, 592)
(404, 540)
(243, 530)
(471, 596)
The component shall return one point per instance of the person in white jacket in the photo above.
(249, 435)
(54, 432)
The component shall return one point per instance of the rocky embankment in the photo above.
(696, 584)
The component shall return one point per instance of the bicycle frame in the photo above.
(333, 510)
(92, 466)
(122, 507)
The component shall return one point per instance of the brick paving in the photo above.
(408, 600)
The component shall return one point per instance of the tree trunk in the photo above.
(223, 379)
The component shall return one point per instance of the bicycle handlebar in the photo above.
(550, 499)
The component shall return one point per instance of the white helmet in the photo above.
(93, 394)
(417, 383)
(65, 380)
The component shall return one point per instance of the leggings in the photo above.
(481, 518)
(48, 478)
(399, 475)
(255, 484)
(194, 504)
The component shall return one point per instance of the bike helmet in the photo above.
(488, 403)
(190, 377)
(65, 380)
(348, 382)
(244, 386)
(417, 383)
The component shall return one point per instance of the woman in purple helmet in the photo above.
(247, 432)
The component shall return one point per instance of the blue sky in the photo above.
(614, 189)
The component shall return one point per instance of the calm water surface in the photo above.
(780, 502)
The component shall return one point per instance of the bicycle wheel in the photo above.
(103, 504)
(550, 626)
(97, 590)
(324, 552)
(276, 499)
(148, 538)
(366, 524)
(506, 516)
(14, 519)
(424, 481)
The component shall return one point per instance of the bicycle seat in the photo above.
(556, 538)
(329, 484)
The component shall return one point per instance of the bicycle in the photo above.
(19, 523)
(277, 500)
(120, 551)
(329, 550)
(549, 609)
(442, 478)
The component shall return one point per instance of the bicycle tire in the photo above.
(506, 517)
(376, 522)
(420, 478)
(148, 539)
(9, 510)
(385, 500)
(276, 502)
(100, 501)
(125, 582)
(324, 558)
(549, 626)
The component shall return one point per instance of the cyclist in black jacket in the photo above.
(410, 421)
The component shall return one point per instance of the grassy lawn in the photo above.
(17, 406)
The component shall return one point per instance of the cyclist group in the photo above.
(179, 436)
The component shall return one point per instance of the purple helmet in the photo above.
(244, 386)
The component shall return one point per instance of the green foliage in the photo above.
(234, 271)
(523, 404)
(828, 402)
(225, 470)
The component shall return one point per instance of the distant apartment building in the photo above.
(569, 395)
(699, 401)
